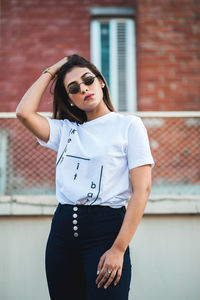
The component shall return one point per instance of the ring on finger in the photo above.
(108, 271)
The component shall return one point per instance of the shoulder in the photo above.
(133, 118)
(61, 122)
(56, 121)
(129, 119)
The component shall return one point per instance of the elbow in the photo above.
(143, 192)
(18, 112)
(20, 115)
(148, 189)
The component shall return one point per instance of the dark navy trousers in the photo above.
(78, 237)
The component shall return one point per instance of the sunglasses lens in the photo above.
(74, 89)
(89, 80)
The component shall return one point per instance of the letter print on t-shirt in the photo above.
(83, 177)
(80, 175)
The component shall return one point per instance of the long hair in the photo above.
(61, 105)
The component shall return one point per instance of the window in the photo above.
(113, 52)
(3, 161)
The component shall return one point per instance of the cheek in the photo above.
(75, 97)
(99, 91)
(76, 100)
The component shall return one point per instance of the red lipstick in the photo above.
(88, 97)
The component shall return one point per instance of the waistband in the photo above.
(91, 208)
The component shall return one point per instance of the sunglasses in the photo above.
(75, 88)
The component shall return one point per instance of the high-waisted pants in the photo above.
(78, 237)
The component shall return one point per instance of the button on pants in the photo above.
(79, 236)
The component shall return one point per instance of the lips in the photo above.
(89, 96)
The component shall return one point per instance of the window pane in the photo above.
(121, 37)
(113, 52)
(105, 48)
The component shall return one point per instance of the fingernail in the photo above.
(97, 272)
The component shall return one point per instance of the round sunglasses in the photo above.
(75, 88)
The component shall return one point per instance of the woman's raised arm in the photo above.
(27, 108)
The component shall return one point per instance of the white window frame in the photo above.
(131, 88)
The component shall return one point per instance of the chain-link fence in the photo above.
(26, 168)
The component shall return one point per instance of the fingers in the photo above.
(110, 278)
(100, 265)
(103, 276)
(106, 278)
(56, 67)
(119, 274)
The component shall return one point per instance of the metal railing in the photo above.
(27, 168)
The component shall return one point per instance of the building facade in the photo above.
(149, 53)
(148, 50)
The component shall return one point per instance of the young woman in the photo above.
(103, 160)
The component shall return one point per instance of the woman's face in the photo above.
(88, 97)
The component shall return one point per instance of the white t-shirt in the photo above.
(94, 158)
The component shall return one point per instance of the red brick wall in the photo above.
(168, 54)
(35, 34)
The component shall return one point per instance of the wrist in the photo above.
(119, 248)
(53, 70)
(49, 71)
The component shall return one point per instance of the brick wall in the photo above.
(35, 34)
(168, 54)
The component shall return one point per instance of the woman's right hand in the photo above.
(56, 67)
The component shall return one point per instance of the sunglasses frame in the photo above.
(78, 84)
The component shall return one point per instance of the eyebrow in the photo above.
(81, 77)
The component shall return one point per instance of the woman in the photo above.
(103, 160)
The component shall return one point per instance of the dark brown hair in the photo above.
(61, 105)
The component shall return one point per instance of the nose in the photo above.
(83, 87)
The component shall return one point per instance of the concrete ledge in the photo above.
(173, 205)
(27, 205)
(45, 205)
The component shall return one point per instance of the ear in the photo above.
(101, 82)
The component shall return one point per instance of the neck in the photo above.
(93, 115)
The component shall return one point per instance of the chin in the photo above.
(91, 106)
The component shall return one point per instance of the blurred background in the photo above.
(149, 53)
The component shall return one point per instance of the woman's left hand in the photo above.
(111, 260)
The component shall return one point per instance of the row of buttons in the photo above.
(75, 228)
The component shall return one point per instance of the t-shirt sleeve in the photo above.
(138, 149)
(55, 134)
